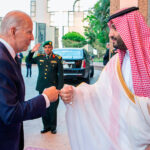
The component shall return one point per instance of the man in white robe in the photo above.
(114, 113)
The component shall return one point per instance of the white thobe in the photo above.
(107, 115)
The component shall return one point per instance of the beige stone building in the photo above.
(42, 29)
(144, 6)
(52, 25)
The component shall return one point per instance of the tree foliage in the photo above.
(73, 39)
(97, 30)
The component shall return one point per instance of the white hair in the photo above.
(13, 19)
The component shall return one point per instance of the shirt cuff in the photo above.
(46, 100)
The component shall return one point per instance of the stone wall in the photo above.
(148, 12)
(143, 6)
(114, 5)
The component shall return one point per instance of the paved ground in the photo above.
(98, 65)
(32, 128)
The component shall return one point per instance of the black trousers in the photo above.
(49, 119)
(29, 70)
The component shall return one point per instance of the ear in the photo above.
(13, 31)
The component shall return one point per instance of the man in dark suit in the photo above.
(20, 57)
(50, 74)
(29, 69)
(109, 53)
(15, 37)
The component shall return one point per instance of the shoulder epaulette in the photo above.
(59, 57)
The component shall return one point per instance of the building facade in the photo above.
(42, 30)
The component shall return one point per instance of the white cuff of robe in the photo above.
(46, 100)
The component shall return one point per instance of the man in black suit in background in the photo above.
(20, 57)
(15, 37)
(109, 53)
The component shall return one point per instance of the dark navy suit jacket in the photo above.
(13, 109)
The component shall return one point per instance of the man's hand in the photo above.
(51, 93)
(36, 47)
(148, 148)
(67, 93)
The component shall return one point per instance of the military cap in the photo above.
(120, 13)
(48, 43)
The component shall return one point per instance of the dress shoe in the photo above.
(45, 130)
(53, 131)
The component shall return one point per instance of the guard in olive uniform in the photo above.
(50, 74)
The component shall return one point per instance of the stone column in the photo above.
(114, 5)
(143, 6)
(42, 14)
(148, 13)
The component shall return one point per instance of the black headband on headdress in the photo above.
(122, 12)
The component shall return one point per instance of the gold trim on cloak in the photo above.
(128, 92)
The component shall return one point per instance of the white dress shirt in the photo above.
(126, 71)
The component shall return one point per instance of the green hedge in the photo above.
(73, 39)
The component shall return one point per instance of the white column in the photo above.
(42, 15)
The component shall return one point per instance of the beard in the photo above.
(119, 44)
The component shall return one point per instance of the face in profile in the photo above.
(116, 39)
(23, 35)
(48, 49)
